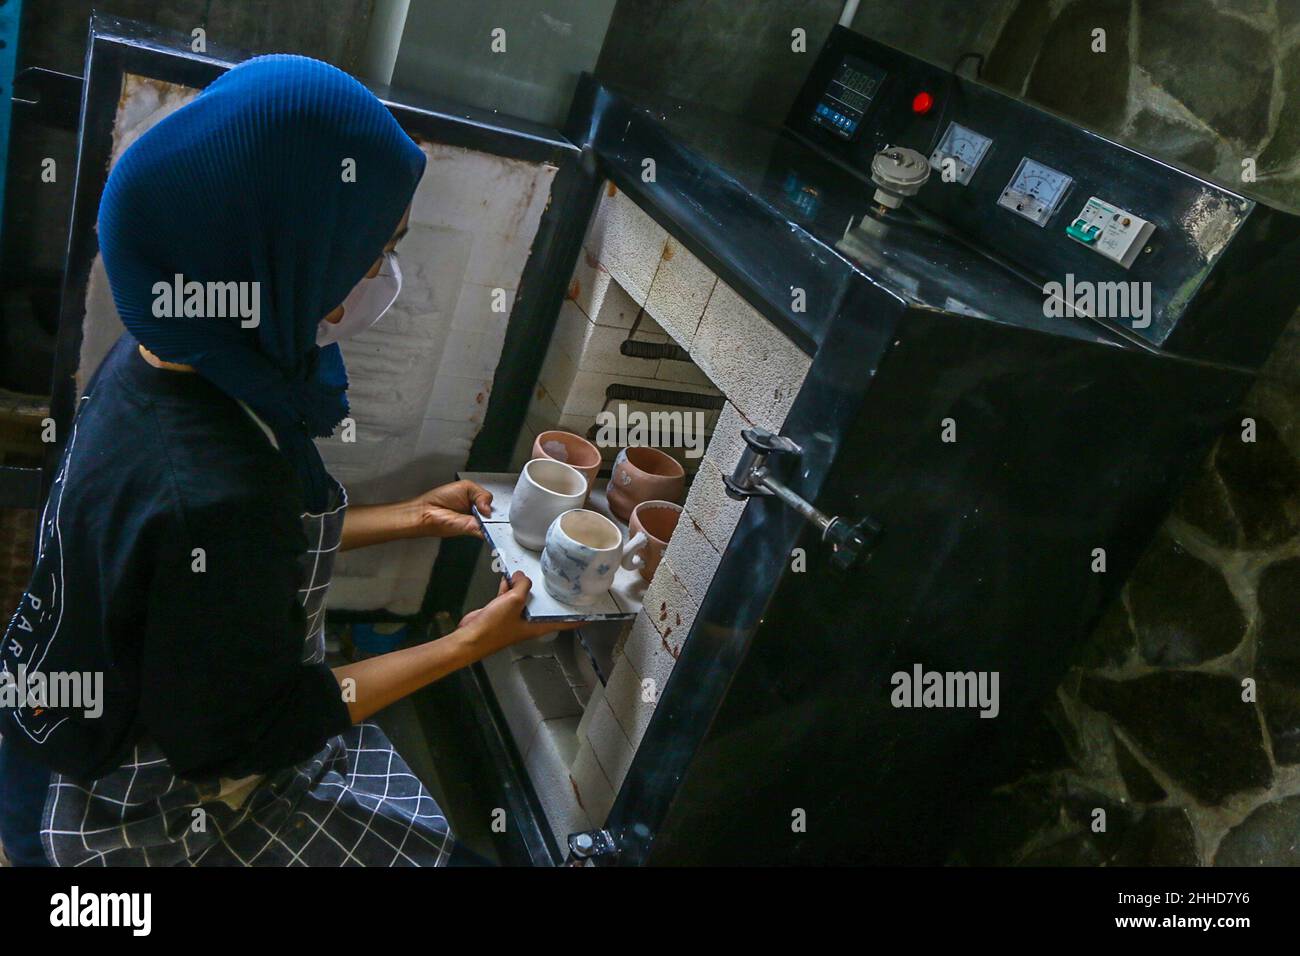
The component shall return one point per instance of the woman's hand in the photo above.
(440, 513)
(444, 512)
(500, 622)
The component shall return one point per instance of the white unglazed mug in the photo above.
(583, 551)
(545, 490)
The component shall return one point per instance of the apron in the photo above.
(355, 803)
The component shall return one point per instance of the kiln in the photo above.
(872, 350)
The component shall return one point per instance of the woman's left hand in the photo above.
(444, 512)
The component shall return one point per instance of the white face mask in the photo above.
(369, 299)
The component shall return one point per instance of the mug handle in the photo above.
(632, 556)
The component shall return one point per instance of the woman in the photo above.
(186, 546)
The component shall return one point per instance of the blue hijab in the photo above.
(286, 172)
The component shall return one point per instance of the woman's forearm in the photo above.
(372, 684)
(364, 525)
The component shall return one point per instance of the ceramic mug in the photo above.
(657, 520)
(644, 474)
(583, 551)
(545, 490)
(572, 450)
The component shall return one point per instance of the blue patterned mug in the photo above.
(583, 551)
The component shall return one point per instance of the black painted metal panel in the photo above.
(984, 564)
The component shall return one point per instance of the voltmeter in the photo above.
(1035, 191)
(965, 147)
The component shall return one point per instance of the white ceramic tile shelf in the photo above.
(620, 603)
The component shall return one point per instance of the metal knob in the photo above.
(752, 477)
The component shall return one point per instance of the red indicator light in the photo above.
(922, 102)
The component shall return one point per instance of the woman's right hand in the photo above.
(500, 622)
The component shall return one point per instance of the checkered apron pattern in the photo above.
(355, 803)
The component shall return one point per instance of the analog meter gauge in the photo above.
(1035, 191)
(965, 148)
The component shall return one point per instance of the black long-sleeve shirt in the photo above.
(168, 564)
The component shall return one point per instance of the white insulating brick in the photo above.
(558, 369)
(756, 367)
(671, 605)
(472, 353)
(479, 306)
(548, 687)
(597, 697)
(457, 398)
(595, 794)
(577, 424)
(714, 511)
(522, 714)
(675, 370)
(692, 558)
(596, 348)
(626, 241)
(613, 749)
(601, 353)
(589, 284)
(632, 698)
(543, 646)
(434, 262)
(587, 394)
(547, 765)
(498, 260)
(556, 743)
(542, 413)
(726, 445)
(648, 330)
(679, 292)
(618, 310)
(572, 327)
(442, 442)
(523, 450)
(570, 656)
(466, 189)
(649, 653)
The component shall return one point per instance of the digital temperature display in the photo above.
(848, 96)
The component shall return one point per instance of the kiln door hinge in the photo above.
(752, 478)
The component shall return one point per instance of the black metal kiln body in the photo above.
(1072, 434)
(776, 740)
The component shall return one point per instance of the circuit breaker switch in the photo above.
(1083, 231)
(1117, 234)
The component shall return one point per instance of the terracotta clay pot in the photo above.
(573, 450)
(644, 474)
(657, 520)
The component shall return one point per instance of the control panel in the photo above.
(1037, 195)
(1027, 197)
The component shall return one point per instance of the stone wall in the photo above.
(1181, 720)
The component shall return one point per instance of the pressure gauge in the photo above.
(1035, 191)
(965, 148)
